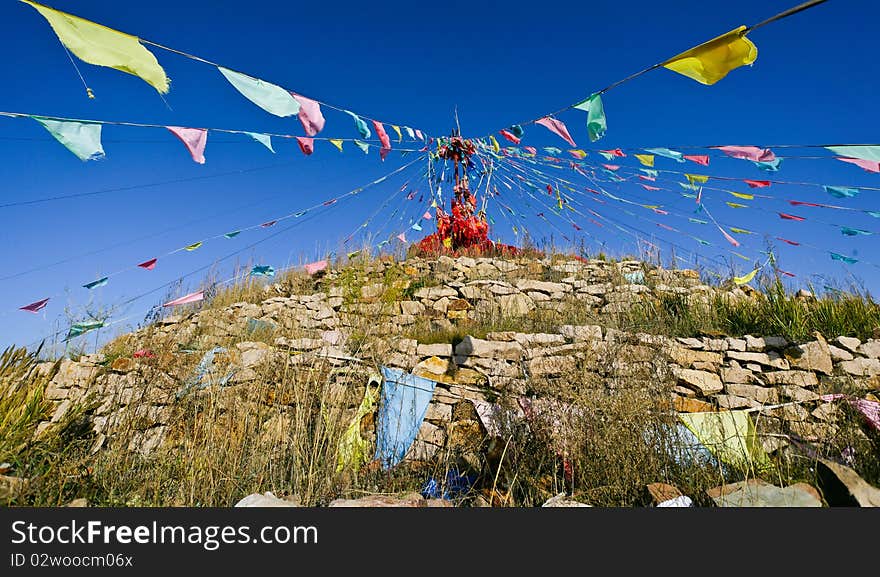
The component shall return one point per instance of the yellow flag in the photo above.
(711, 61)
(495, 146)
(646, 159)
(731, 437)
(194, 246)
(399, 134)
(745, 278)
(692, 178)
(740, 230)
(579, 153)
(742, 256)
(737, 205)
(102, 46)
(337, 143)
(742, 195)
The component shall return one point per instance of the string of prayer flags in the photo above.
(309, 115)
(78, 329)
(701, 159)
(645, 159)
(35, 307)
(313, 267)
(264, 270)
(840, 257)
(194, 139)
(186, 299)
(103, 46)
(149, 264)
(713, 60)
(665, 152)
(263, 139)
(271, 98)
(752, 153)
(383, 136)
(97, 283)
(597, 124)
(841, 191)
(757, 183)
(81, 138)
(306, 145)
(193, 246)
(558, 128)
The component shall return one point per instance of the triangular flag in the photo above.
(399, 134)
(419, 135)
(190, 298)
(402, 237)
(840, 257)
(232, 234)
(736, 205)
(556, 127)
(34, 307)
(770, 166)
(78, 329)
(841, 191)
(193, 246)
(82, 139)
(740, 230)
(263, 271)
(742, 195)
(263, 139)
(427, 215)
(757, 183)
(363, 146)
(699, 159)
(785, 216)
(863, 152)
(306, 145)
(360, 125)
(597, 124)
(752, 153)
(645, 159)
(509, 136)
(149, 264)
(578, 153)
(102, 46)
(711, 61)
(194, 139)
(854, 231)
(665, 152)
(271, 98)
(409, 132)
(416, 226)
(692, 178)
(869, 165)
(383, 136)
(495, 146)
(337, 143)
(309, 114)
(268, 224)
(97, 283)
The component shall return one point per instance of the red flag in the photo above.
(307, 145)
(791, 242)
(790, 217)
(757, 183)
(699, 159)
(779, 270)
(34, 307)
(190, 298)
(268, 224)
(149, 264)
(646, 187)
(383, 136)
(509, 136)
(801, 203)
(615, 152)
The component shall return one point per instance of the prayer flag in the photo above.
(309, 114)
(97, 283)
(190, 298)
(263, 139)
(711, 61)
(34, 307)
(699, 159)
(752, 153)
(82, 139)
(271, 98)
(646, 159)
(149, 264)
(193, 246)
(306, 145)
(194, 139)
(557, 127)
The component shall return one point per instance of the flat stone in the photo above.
(439, 412)
(737, 375)
(861, 367)
(849, 343)
(435, 292)
(838, 354)
(812, 356)
(754, 344)
(762, 395)
(702, 381)
(552, 366)
(433, 366)
(516, 304)
(267, 499)
(542, 286)
(796, 393)
(581, 332)
(413, 308)
(473, 347)
(410, 500)
(746, 494)
(771, 359)
(871, 349)
(687, 357)
(538, 339)
(736, 344)
(435, 350)
(690, 343)
(798, 378)
(687, 405)
(732, 402)
(843, 487)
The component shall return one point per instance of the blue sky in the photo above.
(410, 64)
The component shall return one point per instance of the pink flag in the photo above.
(509, 136)
(307, 145)
(611, 166)
(757, 183)
(190, 298)
(383, 152)
(149, 264)
(419, 134)
(194, 139)
(34, 307)
(646, 187)
(557, 127)
(648, 178)
(427, 215)
(869, 165)
(729, 238)
(748, 153)
(309, 114)
(316, 266)
(530, 149)
(615, 152)
(402, 237)
(659, 211)
(383, 136)
(870, 410)
(268, 224)
(699, 159)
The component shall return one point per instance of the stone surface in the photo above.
(435, 350)
(870, 349)
(851, 344)
(561, 500)
(702, 381)
(861, 367)
(812, 356)
(473, 347)
(843, 487)
(410, 500)
(798, 378)
(267, 499)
